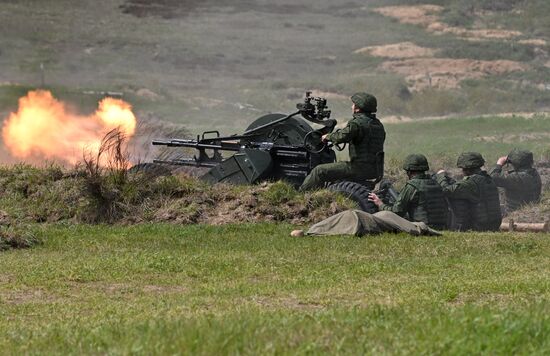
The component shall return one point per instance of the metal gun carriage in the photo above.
(274, 147)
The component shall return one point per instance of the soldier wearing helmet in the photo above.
(522, 185)
(474, 200)
(421, 199)
(365, 135)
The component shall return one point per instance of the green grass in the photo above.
(252, 289)
(443, 140)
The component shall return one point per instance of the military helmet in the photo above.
(520, 158)
(416, 162)
(364, 101)
(470, 160)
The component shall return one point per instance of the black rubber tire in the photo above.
(152, 170)
(356, 192)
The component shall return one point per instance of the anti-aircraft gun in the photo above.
(273, 147)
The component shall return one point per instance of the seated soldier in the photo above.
(521, 185)
(474, 200)
(365, 135)
(422, 199)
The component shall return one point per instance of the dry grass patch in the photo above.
(534, 213)
(423, 15)
(480, 34)
(398, 50)
(27, 296)
(97, 195)
(428, 16)
(447, 73)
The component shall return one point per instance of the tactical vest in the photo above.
(432, 206)
(369, 141)
(460, 218)
(528, 191)
(480, 215)
(487, 213)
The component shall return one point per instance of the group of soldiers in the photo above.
(438, 200)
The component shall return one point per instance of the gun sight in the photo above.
(314, 107)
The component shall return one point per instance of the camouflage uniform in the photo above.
(522, 185)
(422, 198)
(365, 135)
(474, 200)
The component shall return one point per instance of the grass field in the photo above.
(443, 140)
(252, 289)
(189, 288)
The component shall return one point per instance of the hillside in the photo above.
(223, 63)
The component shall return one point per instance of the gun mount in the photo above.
(273, 147)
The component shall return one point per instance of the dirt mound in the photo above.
(535, 42)
(225, 204)
(415, 63)
(428, 16)
(415, 15)
(442, 28)
(30, 194)
(447, 73)
(397, 50)
(534, 213)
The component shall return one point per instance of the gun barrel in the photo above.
(175, 143)
(186, 162)
(226, 146)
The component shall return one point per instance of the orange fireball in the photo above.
(44, 128)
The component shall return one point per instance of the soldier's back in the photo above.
(520, 187)
(486, 214)
(430, 205)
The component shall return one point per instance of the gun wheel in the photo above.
(356, 192)
(313, 142)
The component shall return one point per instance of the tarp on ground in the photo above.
(359, 223)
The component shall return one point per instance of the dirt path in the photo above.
(428, 16)
(447, 73)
